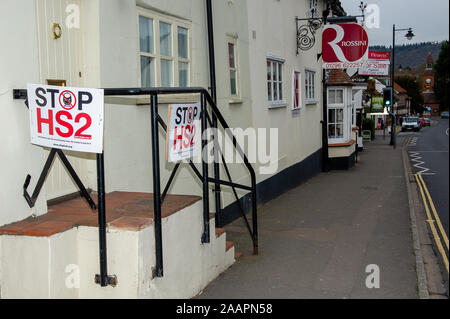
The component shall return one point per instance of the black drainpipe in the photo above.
(325, 167)
(325, 164)
(212, 75)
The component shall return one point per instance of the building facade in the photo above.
(431, 103)
(264, 88)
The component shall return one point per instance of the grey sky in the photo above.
(428, 18)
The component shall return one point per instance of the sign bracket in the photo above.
(31, 200)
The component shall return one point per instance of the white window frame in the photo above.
(156, 55)
(278, 102)
(338, 106)
(310, 85)
(299, 93)
(234, 42)
(313, 9)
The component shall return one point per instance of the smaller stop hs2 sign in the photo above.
(66, 118)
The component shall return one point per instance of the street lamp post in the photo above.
(409, 36)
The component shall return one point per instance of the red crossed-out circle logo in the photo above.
(344, 43)
(67, 100)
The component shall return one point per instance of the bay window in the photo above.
(336, 115)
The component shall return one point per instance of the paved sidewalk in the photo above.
(317, 239)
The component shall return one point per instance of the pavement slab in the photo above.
(317, 240)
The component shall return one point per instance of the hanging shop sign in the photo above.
(66, 118)
(377, 65)
(344, 46)
(183, 132)
(377, 104)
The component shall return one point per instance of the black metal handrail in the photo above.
(103, 279)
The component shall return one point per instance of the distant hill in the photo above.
(412, 55)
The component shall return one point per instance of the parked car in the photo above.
(422, 121)
(444, 115)
(426, 121)
(411, 123)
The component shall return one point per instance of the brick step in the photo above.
(229, 245)
(220, 232)
(132, 211)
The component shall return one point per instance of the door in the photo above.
(60, 58)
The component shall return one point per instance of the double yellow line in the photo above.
(426, 195)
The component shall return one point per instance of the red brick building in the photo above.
(430, 100)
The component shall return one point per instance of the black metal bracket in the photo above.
(31, 200)
(306, 33)
(108, 281)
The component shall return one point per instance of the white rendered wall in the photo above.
(40, 267)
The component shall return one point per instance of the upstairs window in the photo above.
(313, 9)
(233, 67)
(163, 51)
(275, 85)
(310, 86)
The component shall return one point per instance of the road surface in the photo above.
(428, 153)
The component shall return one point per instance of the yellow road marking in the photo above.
(431, 222)
(436, 216)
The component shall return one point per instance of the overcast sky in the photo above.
(428, 19)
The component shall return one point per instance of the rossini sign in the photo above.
(344, 46)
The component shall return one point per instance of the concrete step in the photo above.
(40, 256)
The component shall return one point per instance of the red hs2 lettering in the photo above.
(53, 113)
(185, 129)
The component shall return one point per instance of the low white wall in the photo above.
(41, 267)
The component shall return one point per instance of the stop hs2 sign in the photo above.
(344, 46)
(66, 118)
(183, 134)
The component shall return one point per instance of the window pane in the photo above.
(233, 84)
(340, 130)
(275, 91)
(340, 115)
(339, 96)
(182, 43)
(147, 72)
(231, 58)
(269, 90)
(280, 72)
(269, 70)
(331, 130)
(146, 34)
(166, 73)
(331, 96)
(183, 74)
(165, 39)
(280, 90)
(275, 71)
(331, 116)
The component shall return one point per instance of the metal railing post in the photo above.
(205, 236)
(254, 216)
(103, 280)
(158, 270)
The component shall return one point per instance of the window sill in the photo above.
(311, 102)
(170, 99)
(347, 144)
(277, 106)
(235, 100)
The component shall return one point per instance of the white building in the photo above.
(261, 83)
